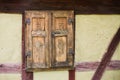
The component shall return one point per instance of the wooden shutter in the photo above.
(49, 39)
(36, 39)
(62, 38)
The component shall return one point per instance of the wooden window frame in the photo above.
(69, 27)
(29, 75)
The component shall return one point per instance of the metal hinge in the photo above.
(28, 53)
(71, 51)
(27, 21)
(70, 21)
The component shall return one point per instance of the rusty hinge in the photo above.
(27, 21)
(70, 21)
(71, 51)
(28, 53)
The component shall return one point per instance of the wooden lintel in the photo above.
(80, 6)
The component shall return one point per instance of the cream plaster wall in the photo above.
(10, 38)
(10, 42)
(10, 76)
(52, 75)
(108, 75)
(93, 35)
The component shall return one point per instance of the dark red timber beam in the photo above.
(79, 67)
(91, 66)
(79, 6)
(72, 74)
(10, 68)
(107, 56)
(25, 75)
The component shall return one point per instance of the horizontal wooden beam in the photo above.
(91, 66)
(10, 68)
(80, 6)
(79, 67)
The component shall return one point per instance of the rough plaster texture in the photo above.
(10, 76)
(10, 42)
(108, 75)
(93, 35)
(53, 75)
(10, 38)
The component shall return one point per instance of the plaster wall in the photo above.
(93, 35)
(10, 43)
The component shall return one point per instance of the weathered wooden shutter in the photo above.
(36, 39)
(49, 39)
(62, 38)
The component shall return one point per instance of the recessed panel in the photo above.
(60, 49)
(38, 24)
(60, 23)
(38, 52)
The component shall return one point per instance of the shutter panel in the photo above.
(62, 38)
(36, 39)
(49, 40)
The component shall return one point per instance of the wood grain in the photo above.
(38, 43)
(28, 40)
(62, 39)
(37, 39)
(60, 46)
(49, 39)
(25, 75)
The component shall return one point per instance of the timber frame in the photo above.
(79, 7)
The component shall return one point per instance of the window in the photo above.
(49, 40)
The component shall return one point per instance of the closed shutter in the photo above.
(49, 39)
(62, 38)
(36, 39)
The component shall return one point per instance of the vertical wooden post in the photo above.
(25, 75)
(72, 74)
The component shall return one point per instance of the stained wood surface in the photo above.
(49, 37)
(62, 40)
(80, 6)
(37, 39)
(25, 75)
